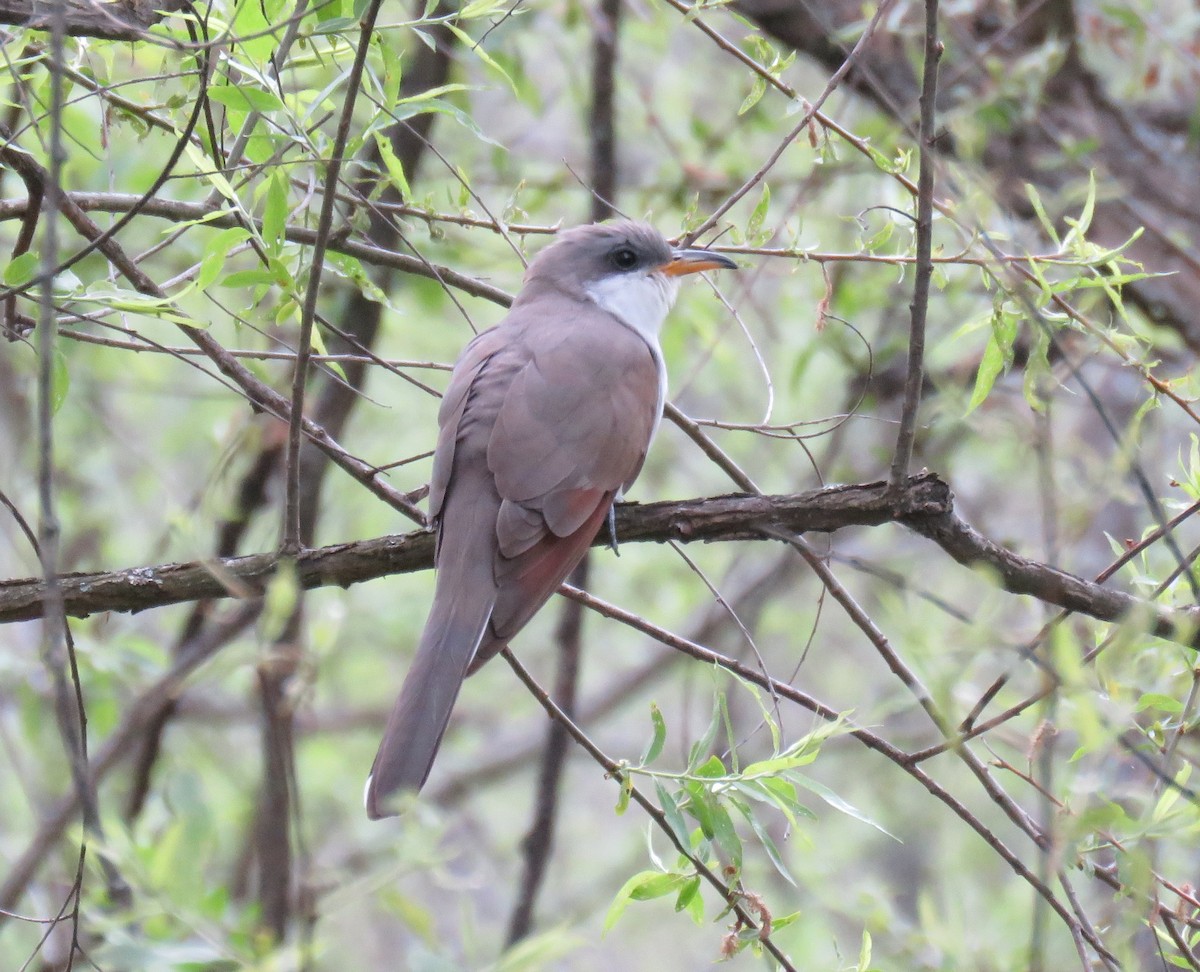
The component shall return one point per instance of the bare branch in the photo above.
(925, 506)
(126, 20)
(919, 308)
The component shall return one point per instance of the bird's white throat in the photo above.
(641, 300)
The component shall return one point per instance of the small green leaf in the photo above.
(216, 252)
(275, 212)
(641, 887)
(655, 747)
(245, 97)
(655, 885)
(768, 844)
(778, 764)
(688, 893)
(760, 213)
(996, 357)
(702, 745)
(329, 10)
(1163, 703)
(835, 801)
(864, 952)
(756, 92)
(477, 49)
(393, 165)
(1079, 227)
(623, 799)
(670, 809)
(20, 269)
(701, 806)
(1042, 216)
(60, 381)
(335, 25)
(248, 278)
(725, 834)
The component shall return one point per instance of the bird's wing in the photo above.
(573, 429)
(454, 402)
(545, 418)
(465, 506)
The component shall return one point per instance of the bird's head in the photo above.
(627, 268)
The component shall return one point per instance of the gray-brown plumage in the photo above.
(547, 418)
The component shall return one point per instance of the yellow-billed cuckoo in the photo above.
(546, 421)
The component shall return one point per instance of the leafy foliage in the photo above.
(1008, 786)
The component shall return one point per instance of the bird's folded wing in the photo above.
(573, 429)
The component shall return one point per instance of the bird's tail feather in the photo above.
(462, 607)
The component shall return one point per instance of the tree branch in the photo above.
(924, 506)
(126, 20)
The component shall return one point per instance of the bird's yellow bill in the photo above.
(694, 261)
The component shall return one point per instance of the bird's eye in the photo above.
(624, 258)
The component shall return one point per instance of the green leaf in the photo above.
(395, 168)
(670, 809)
(216, 252)
(245, 97)
(760, 212)
(327, 10)
(702, 745)
(688, 895)
(623, 799)
(477, 49)
(757, 90)
(655, 746)
(768, 844)
(996, 356)
(204, 167)
(1163, 703)
(1040, 211)
(643, 886)
(778, 764)
(701, 806)
(864, 952)
(248, 278)
(135, 303)
(1037, 369)
(275, 212)
(60, 381)
(725, 834)
(336, 25)
(1079, 227)
(21, 269)
(835, 801)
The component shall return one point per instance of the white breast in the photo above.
(640, 300)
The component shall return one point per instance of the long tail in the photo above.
(462, 606)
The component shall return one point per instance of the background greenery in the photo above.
(242, 841)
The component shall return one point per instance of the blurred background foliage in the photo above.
(154, 451)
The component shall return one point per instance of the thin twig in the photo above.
(919, 308)
(729, 895)
(291, 517)
(799, 129)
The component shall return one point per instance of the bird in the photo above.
(546, 421)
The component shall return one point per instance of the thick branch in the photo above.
(719, 518)
(925, 506)
(126, 20)
(1150, 182)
